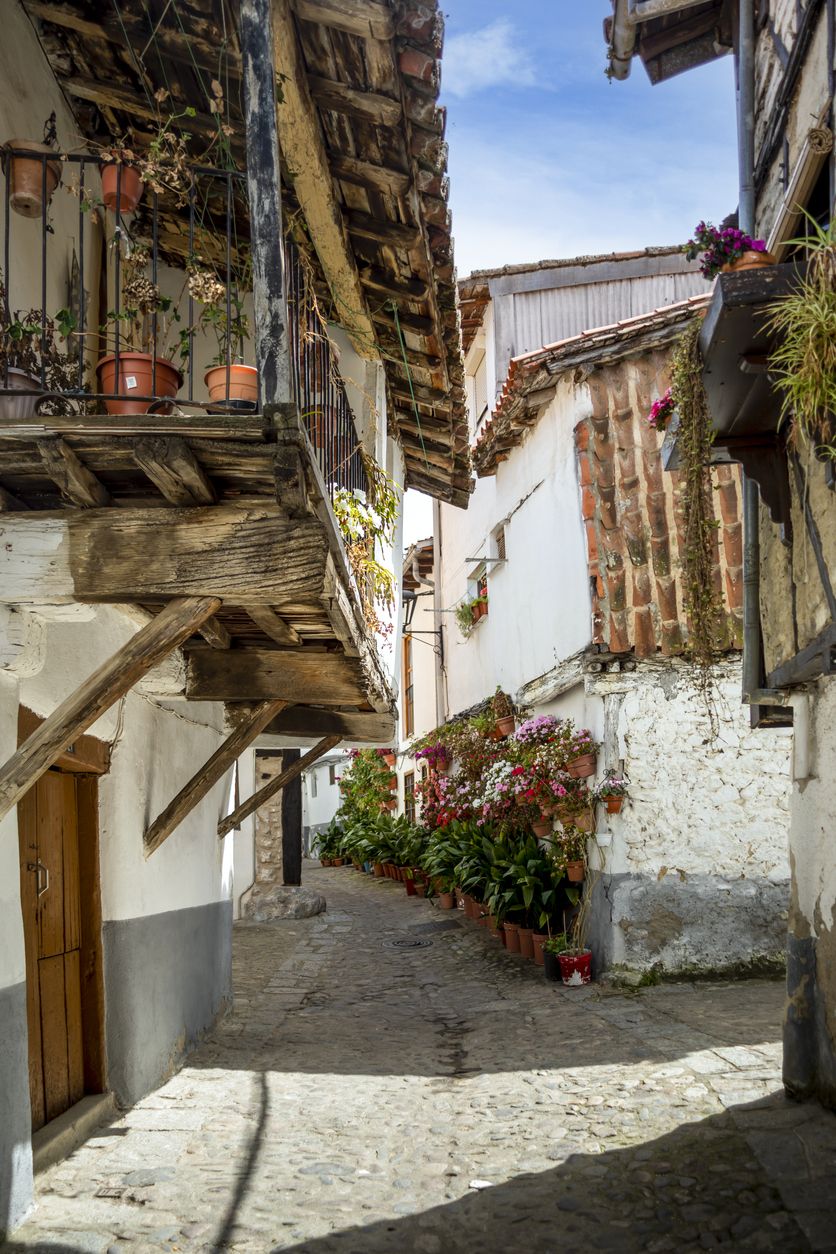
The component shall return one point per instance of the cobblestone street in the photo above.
(367, 1097)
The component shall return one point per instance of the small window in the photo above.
(332, 774)
(499, 542)
(313, 783)
(409, 795)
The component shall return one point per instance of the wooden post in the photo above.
(269, 790)
(264, 190)
(209, 774)
(173, 625)
(292, 823)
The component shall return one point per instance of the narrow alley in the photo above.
(390, 1080)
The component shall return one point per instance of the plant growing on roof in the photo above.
(718, 248)
(803, 366)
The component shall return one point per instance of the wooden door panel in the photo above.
(27, 821)
(50, 792)
(54, 1035)
(72, 902)
(75, 1045)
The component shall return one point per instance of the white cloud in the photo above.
(476, 60)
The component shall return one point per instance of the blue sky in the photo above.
(549, 159)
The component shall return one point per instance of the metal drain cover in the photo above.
(408, 942)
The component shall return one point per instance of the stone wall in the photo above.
(268, 822)
(695, 868)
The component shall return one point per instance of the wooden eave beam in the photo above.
(112, 680)
(274, 675)
(363, 106)
(210, 774)
(77, 483)
(395, 234)
(401, 289)
(269, 790)
(112, 97)
(371, 19)
(368, 727)
(303, 153)
(273, 625)
(175, 471)
(379, 178)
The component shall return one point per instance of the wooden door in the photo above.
(48, 823)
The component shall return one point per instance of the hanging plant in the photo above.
(703, 603)
(365, 525)
(803, 367)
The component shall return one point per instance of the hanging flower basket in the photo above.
(130, 185)
(26, 177)
(583, 766)
(613, 804)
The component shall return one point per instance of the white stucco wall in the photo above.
(318, 811)
(539, 605)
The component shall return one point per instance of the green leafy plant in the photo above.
(37, 345)
(368, 527)
(465, 615)
(803, 366)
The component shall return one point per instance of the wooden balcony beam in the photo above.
(173, 468)
(77, 483)
(112, 680)
(273, 625)
(274, 675)
(211, 773)
(276, 785)
(363, 726)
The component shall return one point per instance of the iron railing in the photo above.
(210, 217)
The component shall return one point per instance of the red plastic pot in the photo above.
(136, 375)
(750, 260)
(446, 901)
(26, 177)
(576, 969)
(236, 382)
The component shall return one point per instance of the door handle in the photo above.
(38, 867)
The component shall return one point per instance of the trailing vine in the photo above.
(703, 602)
(365, 525)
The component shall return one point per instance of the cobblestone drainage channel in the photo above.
(407, 942)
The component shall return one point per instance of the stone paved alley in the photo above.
(362, 1097)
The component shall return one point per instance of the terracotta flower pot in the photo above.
(506, 725)
(551, 967)
(614, 804)
(389, 804)
(543, 827)
(420, 888)
(393, 781)
(539, 939)
(493, 927)
(576, 969)
(136, 374)
(583, 766)
(337, 862)
(526, 942)
(130, 185)
(446, 901)
(324, 861)
(242, 384)
(575, 872)
(389, 757)
(15, 407)
(750, 260)
(26, 178)
(410, 887)
(512, 937)
(377, 870)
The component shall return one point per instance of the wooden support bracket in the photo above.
(269, 790)
(210, 773)
(112, 680)
(173, 468)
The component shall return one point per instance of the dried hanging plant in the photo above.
(703, 603)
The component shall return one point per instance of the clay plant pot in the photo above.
(26, 177)
(136, 374)
(377, 870)
(542, 828)
(539, 939)
(512, 937)
(410, 887)
(583, 766)
(393, 782)
(242, 384)
(493, 927)
(324, 861)
(389, 804)
(446, 901)
(121, 180)
(506, 725)
(527, 942)
(750, 260)
(614, 804)
(575, 872)
(389, 757)
(576, 969)
(16, 407)
(551, 967)
(502, 936)
(337, 862)
(420, 888)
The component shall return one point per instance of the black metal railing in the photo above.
(200, 225)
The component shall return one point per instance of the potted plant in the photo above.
(575, 962)
(503, 710)
(229, 380)
(32, 179)
(553, 947)
(581, 754)
(32, 361)
(611, 792)
(122, 182)
(146, 331)
(572, 848)
(727, 249)
(662, 411)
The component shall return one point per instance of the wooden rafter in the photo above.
(78, 484)
(112, 680)
(273, 674)
(173, 468)
(281, 781)
(273, 625)
(210, 774)
(371, 19)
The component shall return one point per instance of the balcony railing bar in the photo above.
(319, 390)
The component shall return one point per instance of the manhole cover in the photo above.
(408, 942)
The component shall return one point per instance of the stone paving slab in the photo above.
(446, 1098)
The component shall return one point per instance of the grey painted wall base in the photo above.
(700, 924)
(167, 979)
(809, 1048)
(15, 1111)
